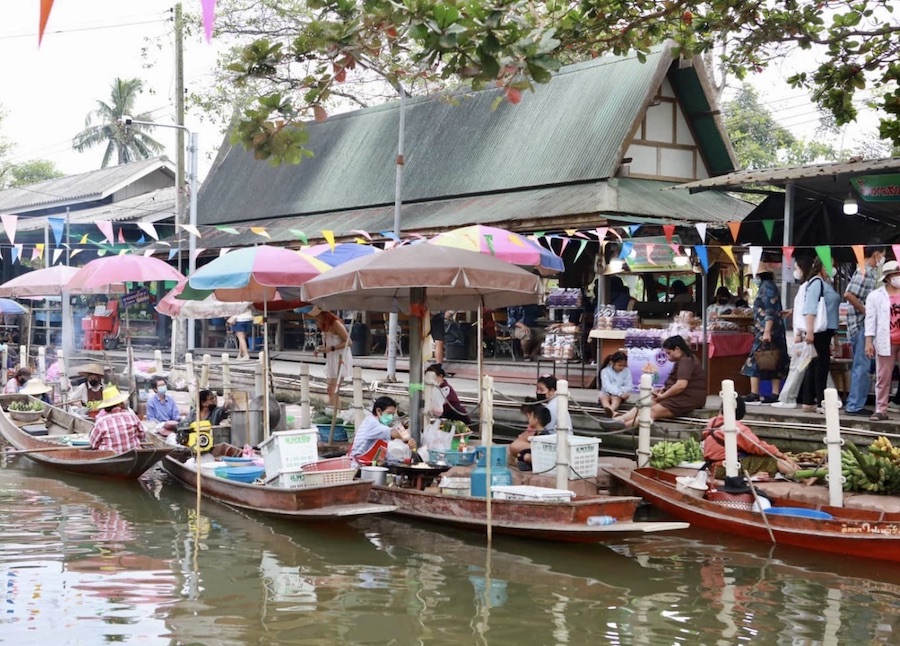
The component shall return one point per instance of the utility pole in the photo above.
(179, 345)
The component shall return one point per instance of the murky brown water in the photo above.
(88, 562)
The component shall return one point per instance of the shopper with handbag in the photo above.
(861, 285)
(768, 359)
(882, 327)
(821, 311)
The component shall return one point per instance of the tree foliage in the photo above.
(104, 126)
(516, 43)
(30, 172)
(760, 142)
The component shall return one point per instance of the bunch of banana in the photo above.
(809, 456)
(666, 454)
(870, 472)
(693, 452)
(883, 447)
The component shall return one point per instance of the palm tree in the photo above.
(105, 126)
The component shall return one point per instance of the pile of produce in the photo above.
(458, 427)
(877, 471)
(26, 406)
(669, 454)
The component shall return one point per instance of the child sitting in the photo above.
(615, 382)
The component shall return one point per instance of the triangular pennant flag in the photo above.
(824, 253)
(539, 234)
(74, 253)
(364, 234)
(260, 231)
(735, 228)
(149, 229)
(601, 233)
(860, 253)
(571, 232)
(390, 234)
(650, 246)
(142, 239)
(360, 241)
(223, 251)
(106, 228)
(581, 234)
(516, 239)
(489, 241)
(121, 235)
(230, 230)
(701, 229)
(56, 254)
(46, 6)
(16, 252)
(122, 252)
(197, 253)
(755, 258)
(300, 236)
(896, 250)
(148, 253)
(669, 230)
(788, 253)
(728, 252)
(702, 256)
(9, 225)
(57, 226)
(390, 244)
(580, 249)
(564, 244)
(39, 247)
(192, 229)
(626, 249)
(676, 248)
(769, 226)
(102, 252)
(172, 253)
(35, 254)
(209, 17)
(328, 234)
(84, 239)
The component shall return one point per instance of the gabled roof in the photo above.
(153, 206)
(74, 189)
(572, 130)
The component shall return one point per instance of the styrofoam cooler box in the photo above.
(527, 492)
(583, 456)
(289, 450)
(293, 479)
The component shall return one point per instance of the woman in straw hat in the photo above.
(91, 390)
(119, 429)
(36, 388)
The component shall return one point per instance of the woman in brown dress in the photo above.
(684, 390)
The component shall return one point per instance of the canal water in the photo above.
(85, 561)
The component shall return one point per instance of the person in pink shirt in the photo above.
(883, 335)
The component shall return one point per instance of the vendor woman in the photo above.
(451, 407)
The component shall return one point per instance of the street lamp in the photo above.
(194, 155)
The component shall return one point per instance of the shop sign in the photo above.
(653, 254)
(878, 188)
(653, 361)
(141, 295)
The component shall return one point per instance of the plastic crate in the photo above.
(527, 492)
(330, 477)
(289, 450)
(583, 456)
(295, 479)
(452, 458)
(329, 465)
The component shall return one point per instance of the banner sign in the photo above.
(878, 188)
(653, 254)
(141, 295)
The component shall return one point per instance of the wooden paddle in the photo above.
(51, 448)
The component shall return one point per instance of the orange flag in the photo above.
(46, 6)
(735, 228)
(859, 252)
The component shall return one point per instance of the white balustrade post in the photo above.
(23, 356)
(189, 369)
(63, 373)
(729, 428)
(42, 363)
(563, 428)
(226, 376)
(157, 358)
(305, 417)
(645, 400)
(204, 371)
(359, 412)
(834, 443)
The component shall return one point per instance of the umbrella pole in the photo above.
(416, 304)
(265, 356)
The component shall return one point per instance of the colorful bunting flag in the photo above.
(230, 230)
(649, 248)
(755, 259)
(149, 229)
(260, 231)
(46, 6)
(601, 234)
(223, 251)
(824, 253)
(196, 253)
(769, 227)
(701, 229)
(735, 228)
(788, 253)
(106, 228)
(364, 234)
(728, 252)
(173, 253)
(626, 249)
(57, 226)
(580, 249)
(300, 236)
(702, 256)
(328, 234)
(121, 235)
(148, 253)
(859, 252)
(56, 254)
(193, 230)
(74, 253)
(669, 230)
(142, 239)
(9, 225)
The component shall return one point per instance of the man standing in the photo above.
(160, 407)
(120, 429)
(861, 285)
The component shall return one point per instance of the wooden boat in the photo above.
(50, 451)
(335, 501)
(856, 532)
(553, 521)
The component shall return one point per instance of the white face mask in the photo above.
(798, 274)
(895, 282)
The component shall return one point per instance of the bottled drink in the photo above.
(601, 520)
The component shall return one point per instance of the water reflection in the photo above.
(134, 562)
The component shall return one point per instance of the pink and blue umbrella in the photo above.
(506, 245)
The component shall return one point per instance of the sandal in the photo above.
(879, 417)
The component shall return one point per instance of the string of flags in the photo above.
(113, 240)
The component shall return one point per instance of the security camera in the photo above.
(126, 120)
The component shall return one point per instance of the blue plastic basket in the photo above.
(244, 474)
(453, 458)
(237, 461)
(340, 432)
(800, 512)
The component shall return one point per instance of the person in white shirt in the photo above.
(615, 382)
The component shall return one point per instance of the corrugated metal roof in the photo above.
(651, 199)
(153, 206)
(92, 185)
(569, 130)
(780, 176)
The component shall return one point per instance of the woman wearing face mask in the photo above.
(545, 393)
(724, 303)
(818, 286)
(18, 381)
(91, 389)
(882, 327)
(768, 333)
(377, 427)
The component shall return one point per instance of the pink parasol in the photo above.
(40, 282)
(102, 274)
(505, 245)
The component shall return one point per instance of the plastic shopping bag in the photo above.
(801, 356)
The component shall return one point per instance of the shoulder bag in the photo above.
(821, 323)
